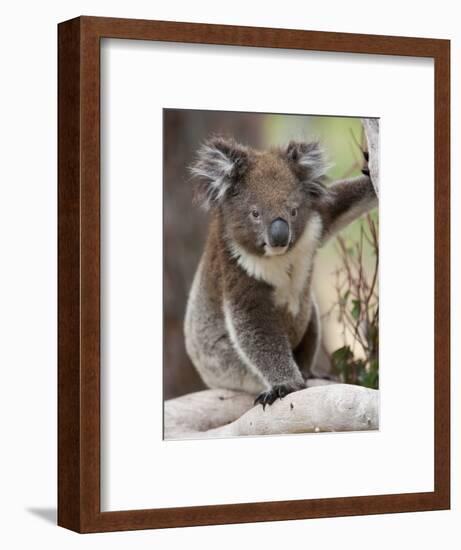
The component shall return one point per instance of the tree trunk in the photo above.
(371, 127)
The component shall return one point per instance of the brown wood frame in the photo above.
(79, 282)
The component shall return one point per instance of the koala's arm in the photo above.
(345, 201)
(251, 321)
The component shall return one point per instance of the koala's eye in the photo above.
(294, 212)
(255, 214)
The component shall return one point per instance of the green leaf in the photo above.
(370, 378)
(341, 359)
(342, 354)
(355, 311)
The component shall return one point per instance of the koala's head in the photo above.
(265, 198)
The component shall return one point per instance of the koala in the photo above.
(252, 322)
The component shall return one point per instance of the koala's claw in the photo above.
(276, 392)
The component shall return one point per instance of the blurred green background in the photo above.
(185, 224)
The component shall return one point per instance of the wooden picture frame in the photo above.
(79, 274)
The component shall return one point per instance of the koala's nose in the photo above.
(279, 233)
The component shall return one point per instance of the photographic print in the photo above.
(271, 256)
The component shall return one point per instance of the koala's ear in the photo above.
(220, 164)
(309, 164)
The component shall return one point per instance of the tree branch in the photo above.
(323, 407)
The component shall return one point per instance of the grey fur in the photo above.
(252, 322)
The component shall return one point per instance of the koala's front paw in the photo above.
(277, 391)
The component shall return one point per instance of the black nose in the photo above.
(279, 233)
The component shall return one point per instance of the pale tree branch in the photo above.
(323, 407)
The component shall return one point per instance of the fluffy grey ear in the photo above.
(220, 164)
(309, 163)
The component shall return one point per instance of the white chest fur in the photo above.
(287, 273)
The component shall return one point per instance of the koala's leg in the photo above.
(306, 352)
(220, 366)
(263, 347)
